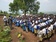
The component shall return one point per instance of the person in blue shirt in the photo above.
(14, 19)
(38, 29)
(17, 23)
(29, 25)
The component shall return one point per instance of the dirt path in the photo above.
(1, 21)
(30, 37)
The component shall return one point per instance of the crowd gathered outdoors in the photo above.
(42, 26)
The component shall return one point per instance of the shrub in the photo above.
(5, 35)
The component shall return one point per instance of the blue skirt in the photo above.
(32, 29)
(24, 28)
(17, 24)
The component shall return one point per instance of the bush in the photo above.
(5, 35)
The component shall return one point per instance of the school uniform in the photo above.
(44, 19)
(21, 22)
(38, 17)
(54, 27)
(44, 31)
(50, 20)
(38, 29)
(13, 20)
(24, 26)
(29, 26)
(17, 23)
(32, 28)
(50, 28)
(40, 20)
(35, 29)
(54, 24)
(32, 21)
(40, 34)
(43, 24)
(39, 25)
(36, 21)
(47, 22)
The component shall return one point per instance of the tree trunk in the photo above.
(25, 13)
(36, 11)
(16, 12)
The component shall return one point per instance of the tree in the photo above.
(41, 13)
(34, 7)
(14, 7)
(1, 11)
(24, 5)
(11, 7)
(5, 12)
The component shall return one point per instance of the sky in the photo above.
(45, 5)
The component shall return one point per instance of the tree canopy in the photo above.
(24, 5)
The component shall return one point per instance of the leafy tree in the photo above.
(1, 11)
(41, 13)
(34, 7)
(11, 7)
(5, 12)
(24, 5)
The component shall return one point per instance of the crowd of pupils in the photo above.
(39, 25)
(36, 26)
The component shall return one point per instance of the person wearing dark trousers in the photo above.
(5, 20)
(10, 22)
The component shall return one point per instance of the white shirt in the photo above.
(5, 18)
(40, 33)
(55, 23)
(50, 28)
(35, 26)
(44, 18)
(17, 20)
(33, 21)
(39, 25)
(44, 31)
(39, 18)
(50, 20)
(20, 21)
(43, 24)
(36, 21)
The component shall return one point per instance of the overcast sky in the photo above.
(45, 5)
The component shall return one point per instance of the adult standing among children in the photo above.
(5, 20)
(10, 22)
